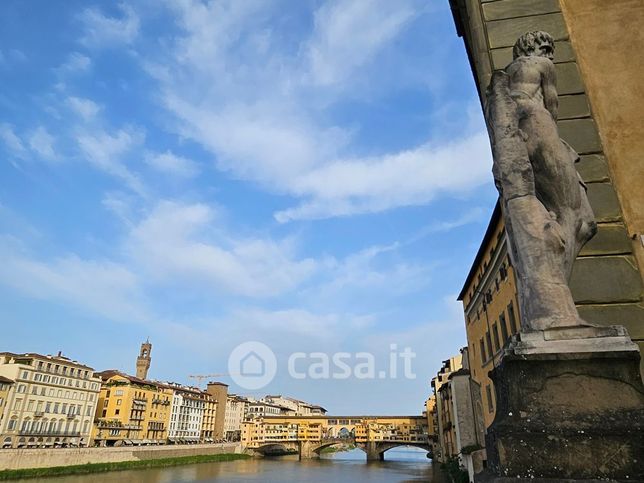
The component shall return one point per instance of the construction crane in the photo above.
(201, 377)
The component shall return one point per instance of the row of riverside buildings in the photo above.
(462, 404)
(53, 401)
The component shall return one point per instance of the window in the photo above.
(48, 407)
(17, 404)
(490, 403)
(25, 375)
(22, 388)
(118, 402)
(483, 357)
(56, 406)
(12, 424)
(495, 334)
(117, 412)
(118, 392)
(34, 390)
(89, 411)
(513, 321)
(504, 329)
(30, 406)
(37, 377)
(104, 413)
(489, 344)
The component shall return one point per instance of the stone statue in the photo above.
(546, 210)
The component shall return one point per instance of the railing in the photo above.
(29, 432)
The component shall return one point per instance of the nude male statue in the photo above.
(546, 210)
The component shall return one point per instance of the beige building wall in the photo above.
(608, 40)
(219, 391)
(51, 402)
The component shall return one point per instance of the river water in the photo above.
(401, 465)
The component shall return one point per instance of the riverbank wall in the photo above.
(17, 459)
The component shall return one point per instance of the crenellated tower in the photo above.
(143, 361)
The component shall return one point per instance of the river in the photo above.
(401, 465)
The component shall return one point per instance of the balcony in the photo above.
(29, 432)
(38, 414)
(71, 415)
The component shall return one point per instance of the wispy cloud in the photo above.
(41, 142)
(11, 140)
(75, 62)
(86, 108)
(349, 34)
(178, 241)
(172, 164)
(108, 153)
(100, 30)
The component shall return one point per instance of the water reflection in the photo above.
(401, 465)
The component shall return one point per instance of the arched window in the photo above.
(43, 426)
(12, 423)
(52, 426)
(26, 425)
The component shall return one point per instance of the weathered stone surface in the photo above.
(581, 134)
(503, 33)
(568, 416)
(518, 8)
(593, 168)
(610, 240)
(574, 106)
(604, 202)
(610, 279)
(563, 53)
(568, 78)
(547, 214)
(630, 316)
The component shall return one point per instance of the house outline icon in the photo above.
(252, 365)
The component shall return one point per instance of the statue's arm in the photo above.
(549, 87)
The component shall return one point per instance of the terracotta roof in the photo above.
(47, 358)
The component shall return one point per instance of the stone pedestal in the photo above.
(570, 406)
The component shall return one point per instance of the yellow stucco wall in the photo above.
(479, 322)
(608, 38)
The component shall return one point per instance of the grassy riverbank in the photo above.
(118, 466)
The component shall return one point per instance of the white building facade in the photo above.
(187, 415)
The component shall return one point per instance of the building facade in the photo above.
(236, 409)
(489, 297)
(219, 393)
(50, 403)
(186, 419)
(445, 433)
(131, 411)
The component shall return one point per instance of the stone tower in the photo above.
(143, 361)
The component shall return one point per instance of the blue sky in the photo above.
(314, 175)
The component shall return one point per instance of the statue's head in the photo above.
(537, 43)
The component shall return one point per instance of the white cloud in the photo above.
(42, 143)
(103, 287)
(278, 136)
(107, 153)
(86, 108)
(170, 163)
(349, 33)
(179, 241)
(368, 185)
(76, 62)
(12, 141)
(104, 31)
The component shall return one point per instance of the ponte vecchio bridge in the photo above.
(309, 435)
